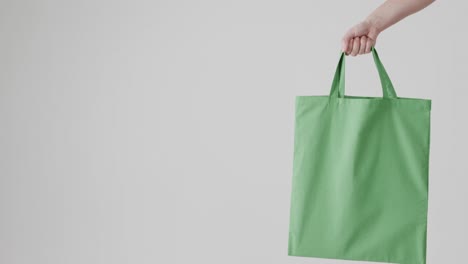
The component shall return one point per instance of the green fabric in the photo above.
(360, 175)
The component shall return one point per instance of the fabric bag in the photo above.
(360, 175)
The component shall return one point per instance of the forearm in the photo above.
(360, 38)
(392, 11)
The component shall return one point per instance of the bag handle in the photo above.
(338, 87)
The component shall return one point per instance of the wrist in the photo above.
(375, 26)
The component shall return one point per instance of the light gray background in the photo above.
(162, 131)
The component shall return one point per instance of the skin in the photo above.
(359, 39)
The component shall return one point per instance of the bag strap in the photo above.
(338, 86)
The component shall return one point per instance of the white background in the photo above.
(162, 131)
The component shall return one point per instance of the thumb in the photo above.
(344, 45)
(346, 39)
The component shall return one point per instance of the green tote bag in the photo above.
(360, 175)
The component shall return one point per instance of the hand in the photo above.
(360, 39)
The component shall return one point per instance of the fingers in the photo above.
(362, 46)
(370, 42)
(359, 39)
(359, 46)
(356, 44)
